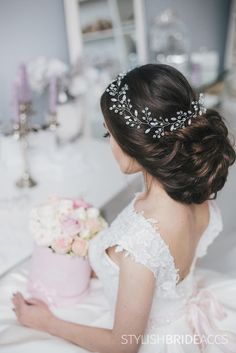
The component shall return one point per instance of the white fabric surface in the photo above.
(14, 338)
(98, 307)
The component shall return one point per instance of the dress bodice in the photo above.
(140, 239)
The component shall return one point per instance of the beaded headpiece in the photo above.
(155, 125)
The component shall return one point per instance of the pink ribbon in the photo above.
(203, 309)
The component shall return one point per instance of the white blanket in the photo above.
(14, 338)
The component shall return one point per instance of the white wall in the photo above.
(28, 29)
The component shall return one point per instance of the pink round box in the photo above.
(58, 280)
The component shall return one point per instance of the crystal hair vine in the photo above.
(155, 125)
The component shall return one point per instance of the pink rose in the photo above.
(80, 246)
(81, 203)
(70, 226)
(62, 245)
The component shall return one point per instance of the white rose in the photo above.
(92, 212)
(34, 226)
(45, 236)
(44, 239)
(80, 213)
(65, 206)
(46, 212)
(44, 232)
(84, 233)
(55, 230)
(49, 222)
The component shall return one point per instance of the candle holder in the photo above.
(52, 122)
(21, 130)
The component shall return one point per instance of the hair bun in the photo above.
(206, 154)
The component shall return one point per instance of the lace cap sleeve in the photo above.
(214, 228)
(141, 249)
(145, 245)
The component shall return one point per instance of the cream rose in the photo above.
(80, 246)
(80, 213)
(92, 212)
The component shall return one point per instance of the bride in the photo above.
(146, 259)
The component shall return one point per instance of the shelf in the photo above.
(98, 35)
(127, 28)
(83, 2)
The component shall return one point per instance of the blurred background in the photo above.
(56, 59)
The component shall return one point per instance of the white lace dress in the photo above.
(203, 304)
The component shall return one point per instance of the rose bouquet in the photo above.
(60, 269)
(65, 225)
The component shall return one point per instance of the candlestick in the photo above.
(24, 91)
(26, 180)
(22, 107)
(15, 102)
(53, 95)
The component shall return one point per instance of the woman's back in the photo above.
(140, 238)
(181, 227)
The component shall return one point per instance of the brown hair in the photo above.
(191, 163)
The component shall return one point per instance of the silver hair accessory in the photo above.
(157, 126)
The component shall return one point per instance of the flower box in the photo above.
(60, 270)
(58, 279)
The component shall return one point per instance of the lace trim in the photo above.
(214, 228)
(152, 225)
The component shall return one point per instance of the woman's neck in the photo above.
(153, 193)
(153, 189)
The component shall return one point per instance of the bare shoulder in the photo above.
(181, 227)
(178, 220)
(173, 220)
